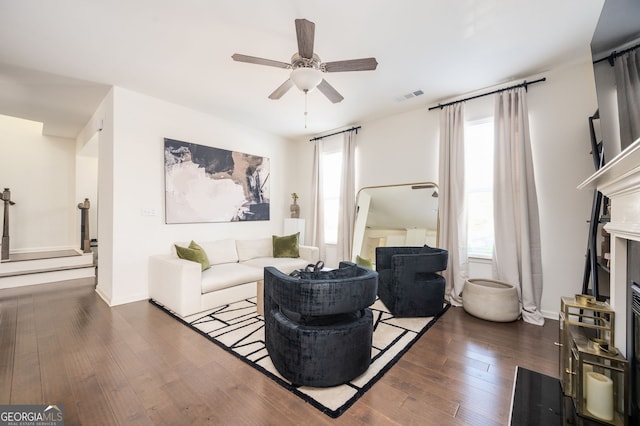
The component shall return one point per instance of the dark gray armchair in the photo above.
(318, 327)
(408, 284)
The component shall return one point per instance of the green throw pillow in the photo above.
(194, 253)
(287, 246)
(365, 263)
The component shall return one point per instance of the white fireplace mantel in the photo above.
(619, 180)
(618, 177)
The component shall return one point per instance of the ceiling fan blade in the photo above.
(305, 31)
(363, 64)
(281, 90)
(260, 61)
(331, 93)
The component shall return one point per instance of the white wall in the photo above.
(40, 172)
(96, 126)
(397, 149)
(404, 148)
(134, 179)
(87, 183)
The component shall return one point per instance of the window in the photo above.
(478, 138)
(331, 170)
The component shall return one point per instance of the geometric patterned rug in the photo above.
(238, 329)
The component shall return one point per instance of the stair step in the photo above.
(42, 271)
(39, 255)
(33, 262)
(31, 268)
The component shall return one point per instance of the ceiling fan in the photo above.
(307, 68)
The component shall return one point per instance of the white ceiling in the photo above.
(59, 57)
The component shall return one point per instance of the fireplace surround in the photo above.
(620, 181)
(633, 324)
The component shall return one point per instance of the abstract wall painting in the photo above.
(206, 184)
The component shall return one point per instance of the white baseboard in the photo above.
(554, 315)
(111, 302)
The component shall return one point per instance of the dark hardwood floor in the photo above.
(133, 364)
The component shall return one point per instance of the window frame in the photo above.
(472, 252)
(332, 146)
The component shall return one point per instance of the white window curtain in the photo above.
(627, 73)
(347, 197)
(453, 215)
(517, 255)
(317, 220)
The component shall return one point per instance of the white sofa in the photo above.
(236, 266)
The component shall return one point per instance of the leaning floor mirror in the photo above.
(395, 215)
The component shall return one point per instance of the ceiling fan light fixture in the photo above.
(306, 78)
(307, 67)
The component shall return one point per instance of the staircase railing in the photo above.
(85, 239)
(6, 197)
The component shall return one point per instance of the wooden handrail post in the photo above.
(6, 197)
(85, 243)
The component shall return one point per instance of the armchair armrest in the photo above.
(176, 283)
(322, 295)
(310, 253)
(384, 255)
(424, 262)
(406, 266)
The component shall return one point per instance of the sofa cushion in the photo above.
(194, 253)
(251, 249)
(364, 262)
(221, 251)
(226, 275)
(286, 265)
(287, 246)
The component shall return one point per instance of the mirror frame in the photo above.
(357, 215)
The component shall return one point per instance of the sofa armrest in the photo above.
(310, 253)
(176, 283)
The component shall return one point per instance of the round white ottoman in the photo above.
(491, 300)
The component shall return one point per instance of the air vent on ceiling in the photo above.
(410, 95)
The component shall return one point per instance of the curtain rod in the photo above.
(524, 84)
(613, 55)
(336, 133)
